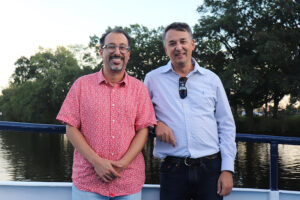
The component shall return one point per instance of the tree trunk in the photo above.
(249, 111)
(266, 108)
(235, 110)
(275, 108)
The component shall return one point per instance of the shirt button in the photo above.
(113, 137)
(113, 120)
(113, 104)
(112, 153)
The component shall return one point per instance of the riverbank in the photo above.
(288, 126)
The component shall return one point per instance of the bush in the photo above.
(283, 126)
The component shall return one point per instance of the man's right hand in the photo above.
(164, 133)
(105, 170)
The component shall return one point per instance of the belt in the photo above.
(191, 161)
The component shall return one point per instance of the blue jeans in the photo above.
(195, 182)
(84, 195)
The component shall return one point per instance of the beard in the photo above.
(116, 67)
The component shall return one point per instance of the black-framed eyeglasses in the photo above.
(182, 88)
(112, 48)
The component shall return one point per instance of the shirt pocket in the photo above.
(206, 100)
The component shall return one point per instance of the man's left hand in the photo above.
(119, 166)
(225, 183)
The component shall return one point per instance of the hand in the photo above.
(225, 183)
(119, 166)
(164, 133)
(106, 171)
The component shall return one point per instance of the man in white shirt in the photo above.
(196, 130)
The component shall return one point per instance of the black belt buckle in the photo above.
(187, 161)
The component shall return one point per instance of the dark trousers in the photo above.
(196, 182)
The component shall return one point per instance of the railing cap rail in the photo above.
(32, 127)
(52, 128)
(245, 137)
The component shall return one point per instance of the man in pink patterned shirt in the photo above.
(107, 114)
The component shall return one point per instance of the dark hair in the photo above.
(116, 30)
(178, 26)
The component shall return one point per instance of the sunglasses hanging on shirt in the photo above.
(182, 88)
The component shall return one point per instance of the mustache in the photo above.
(112, 57)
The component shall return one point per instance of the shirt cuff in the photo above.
(227, 164)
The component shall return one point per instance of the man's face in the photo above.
(179, 47)
(113, 58)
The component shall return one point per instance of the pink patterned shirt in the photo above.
(108, 117)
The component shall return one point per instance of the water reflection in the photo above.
(4, 169)
(252, 165)
(36, 157)
(289, 167)
(48, 157)
(152, 163)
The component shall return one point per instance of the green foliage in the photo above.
(147, 51)
(253, 46)
(283, 126)
(40, 85)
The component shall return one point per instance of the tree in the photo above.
(23, 72)
(39, 86)
(147, 52)
(259, 50)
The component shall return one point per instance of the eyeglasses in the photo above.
(182, 88)
(112, 48)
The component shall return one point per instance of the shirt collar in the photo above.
(197, 67)
(101, 78)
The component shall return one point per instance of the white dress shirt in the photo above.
(202, 122)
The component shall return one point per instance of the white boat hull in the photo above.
(15, 190)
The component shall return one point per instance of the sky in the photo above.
(26, 25)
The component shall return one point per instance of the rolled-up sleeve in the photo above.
(145, 112)
(70, 109)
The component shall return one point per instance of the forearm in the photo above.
(80, 144)
(135, 147)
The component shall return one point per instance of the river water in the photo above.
(48, 157)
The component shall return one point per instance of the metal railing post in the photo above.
(274, 166)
